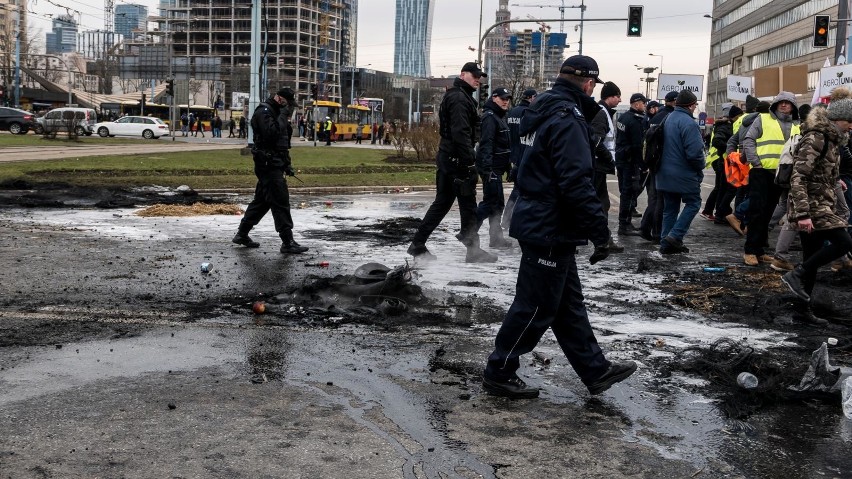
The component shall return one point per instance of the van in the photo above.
(82, 120)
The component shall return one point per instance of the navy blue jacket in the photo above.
(629, 138)
(492, 154)
(682, 164)
(513, 119)
(558, 205)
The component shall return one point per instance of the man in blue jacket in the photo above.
(680, 173)
(492, 162)
(513, 119)
(558, 210)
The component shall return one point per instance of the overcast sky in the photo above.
(675, 30)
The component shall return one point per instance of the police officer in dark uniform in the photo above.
(628, 162)
(513, 119)
(271, 132)
(492, 162)
(558, 210)
(456, 176)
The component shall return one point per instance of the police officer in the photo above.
(271, 131)
(492, 162)
(628, 162)
(558, 210)
(456, 176)
(513, 119)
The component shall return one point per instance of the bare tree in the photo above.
(195, 87)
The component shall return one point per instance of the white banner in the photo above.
(739, 87)
(669, 82)
(833, 77)
(238, 99)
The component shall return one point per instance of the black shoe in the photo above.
(419, 251)
(807, 316)
(627, 230)
(793, 280)
(618, 371)
(244, 240)
(291, 247)
(512, 388)
(635, 213)
(646, 235)
(499, 243)
(476, 254)
(613, 247)
(672, 245)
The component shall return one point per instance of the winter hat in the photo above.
(652, 104)
(840, 104)
(734, 111)
(686, 98)
(803, 112)
(671, 96)
(751, 103)
(610, 89)
(529, 93)
(638, 97)
(762, 107)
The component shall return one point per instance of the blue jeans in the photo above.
(676, 222)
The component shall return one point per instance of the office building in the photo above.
(130, 18)
(413, 37)
(750, 34)
(63, 37)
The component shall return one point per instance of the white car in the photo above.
(147, 127)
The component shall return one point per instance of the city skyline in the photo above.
(679, 40)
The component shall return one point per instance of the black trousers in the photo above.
(816, 253)
(548, 295)
(718, 187)
(269, 194)
(652, 218)
(599, 182)
(447, 191)
(628, 187)
(763, 196)
(493, 201)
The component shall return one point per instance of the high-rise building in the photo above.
(306, 41)
(63, 37)
(13, 18)
(521, 59)
(750, 34)
(130, 17)
(413, 37)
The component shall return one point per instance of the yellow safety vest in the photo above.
(738, 123)
(771, 143)
(712, 153)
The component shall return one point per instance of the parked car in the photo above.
(147, 127)
(18, 122)
(82, 120)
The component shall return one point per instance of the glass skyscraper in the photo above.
(129, 17)
(413, 37)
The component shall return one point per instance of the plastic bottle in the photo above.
(714, 269)
(847, 397)
(747, 380)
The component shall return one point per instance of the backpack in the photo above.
(654, 145)
(784, 173)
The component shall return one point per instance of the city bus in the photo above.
(346, 120)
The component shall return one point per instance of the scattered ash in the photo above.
(386, 232)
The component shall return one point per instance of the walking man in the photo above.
(628, 162)
(513, 119)
(456, 176)
(271, 131)
(492, 162)
(557, 211)
(603, 137)
(652, 218)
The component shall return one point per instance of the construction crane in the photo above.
(581, 6)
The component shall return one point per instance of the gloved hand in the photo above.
(601, 252)
(512, 175)
(288, 170)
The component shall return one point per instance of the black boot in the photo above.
(289, 245)
(613, 247)
(805, 314)
(627, 229)
(793, 280)
(475, 254)
(242, 237)
(420, 251)
(495, 234)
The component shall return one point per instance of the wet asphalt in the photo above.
(121, 358)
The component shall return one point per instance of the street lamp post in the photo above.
(718, 66)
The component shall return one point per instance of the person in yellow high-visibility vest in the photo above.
(763, 144)
(722, 130)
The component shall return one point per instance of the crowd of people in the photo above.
(776, 165)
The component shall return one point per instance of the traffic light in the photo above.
(634, 21)
(314, 91)
(170, 87)
(821, 30)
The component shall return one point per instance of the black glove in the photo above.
(601, 252)
(490, 176)
(288, 170)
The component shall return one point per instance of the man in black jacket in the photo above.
(513, 119)
(603, 143)
(492, 162)
(628, 161)
(557, 211)
(456, 176)
(271, 131)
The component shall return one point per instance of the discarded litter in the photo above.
(540, 358)
(832, 341)
(821, 376)
(205, 267)
(321, 264)
(714, 269)
(259, 307)
(847, 397)
(747, 380)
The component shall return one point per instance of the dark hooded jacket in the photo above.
(604, 161)
(558, 205)
(492, 154)
(629, 138)
(459, 129)
(271, 132)
(812, 193)
(513, 119)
